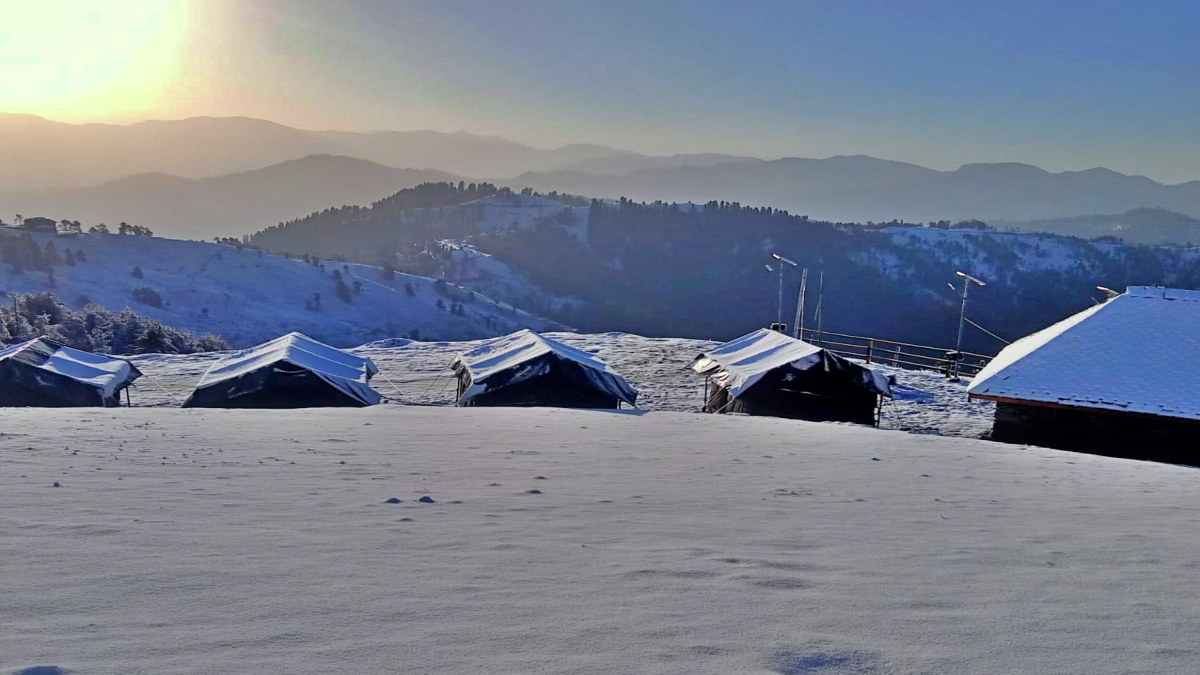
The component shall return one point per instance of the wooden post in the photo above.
(870, 346)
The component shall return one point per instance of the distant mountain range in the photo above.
(39, 153)
(228, 205)
(204, 177)
(860, 188)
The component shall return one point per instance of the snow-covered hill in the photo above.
(553, 541)
(249, 296)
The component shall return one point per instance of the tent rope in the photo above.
(399, 394)
(442, 391)
(433, 381)
(160, 387)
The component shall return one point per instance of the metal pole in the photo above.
(820, 301)
(962, 315)
(800, 304)
(779, 314)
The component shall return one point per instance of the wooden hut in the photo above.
(769, 373)
(1119, 379)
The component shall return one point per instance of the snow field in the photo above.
(226, 542)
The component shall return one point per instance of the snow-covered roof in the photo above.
(1135, 353)
(344, 371)
(739, 364)
(517, 350)
(107, 374)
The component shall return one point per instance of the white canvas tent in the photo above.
(525, 368)
(770, 373)
(44, 373)
(292, 371)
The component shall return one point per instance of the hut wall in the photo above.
(1113, 434)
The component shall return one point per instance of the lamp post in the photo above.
(779, 267)
(962, 315)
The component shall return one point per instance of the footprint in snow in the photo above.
(533, 492)
(796, 662)
(426, 499)
(40, 670)
(393, 500)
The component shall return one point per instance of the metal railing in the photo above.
(898, 354)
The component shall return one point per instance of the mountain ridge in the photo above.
(226, 205)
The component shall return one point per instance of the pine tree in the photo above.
(153, 340)
(50, 258)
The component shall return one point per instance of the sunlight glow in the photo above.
(84, 60)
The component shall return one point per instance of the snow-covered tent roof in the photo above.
(517, 358)
(343, 371)
(739, 364)
(106, 374)
(1135, 353)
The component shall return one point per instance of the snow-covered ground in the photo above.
(234, 542)
(250, 297)
(418, 372)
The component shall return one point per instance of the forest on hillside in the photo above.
(698, 270)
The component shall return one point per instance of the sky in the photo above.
(1061, 84)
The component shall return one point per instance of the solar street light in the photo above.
(962, 314)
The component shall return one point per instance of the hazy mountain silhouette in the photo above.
(1139, 226)
(39, 153)
(861, 188)
(226, 205)
(42, 154)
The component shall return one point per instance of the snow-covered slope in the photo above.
(234, 542)
(249, 297)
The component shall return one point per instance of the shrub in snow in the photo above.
(147, 296)
(94, 328)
